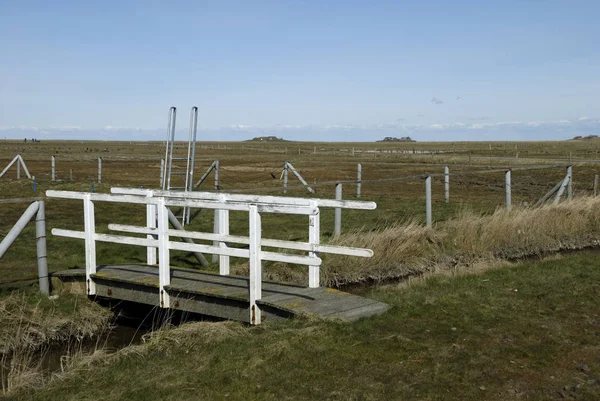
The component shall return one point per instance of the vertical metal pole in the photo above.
(151, 223)
(164, 273)
(285, 177)
(40, 239)
(596, 185)
(570, 184)
(53, 168)
(99, 170)
(314, 237)
(337, 227)
(18, 169)
(89, 223)
(170, 146)
(162, 172)
(358, 177)
(446, 184)
(217, 174)
(428, 219)
(508, 195)
(255, 279)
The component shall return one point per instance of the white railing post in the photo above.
(223, 229)
(164, 273)
(507, 185)
(314, 238)
(53, 168)
(358, 178)
(428, 218)
(446, 184)
(255, 279)
(150, 223)
(215, 257)
(18, 169)
(89, 223)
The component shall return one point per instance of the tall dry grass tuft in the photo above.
(410, 249)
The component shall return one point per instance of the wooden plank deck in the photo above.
(224, 296)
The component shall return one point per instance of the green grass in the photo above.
(529, 331)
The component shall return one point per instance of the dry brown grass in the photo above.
(403, 250)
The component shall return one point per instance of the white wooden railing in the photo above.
(159, 234)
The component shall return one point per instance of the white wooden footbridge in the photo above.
(248, 299)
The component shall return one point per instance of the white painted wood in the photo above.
(314, 238)
(223, 230)
(215, 257)
(300, 178)
(89, 223)
(255, 280)
(151, 224)
(265, 242)
(258, 199)
(164, 267)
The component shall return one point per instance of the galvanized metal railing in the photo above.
(159, 235)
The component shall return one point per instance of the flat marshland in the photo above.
(471, 324)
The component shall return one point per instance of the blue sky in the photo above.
(312, 70)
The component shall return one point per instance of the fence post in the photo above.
(215, 257)
(358, 178)
(285, 177)
(507, 189)
(217, 175)
(570, 183)
(314, 237)
(53, 168)
(89, 223)
(337, 227)
(70, 174)
(162, 172)
(428, 219)
(99, 170)
(596, 185)
(18, 169)
(446, 184)
(315, 150)
(40, 240)
(255, 279)
(164, 274)
(150, 223)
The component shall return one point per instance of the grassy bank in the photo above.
(31, 325)
(409, 249)
(527, 331)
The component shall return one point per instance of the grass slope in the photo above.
(529, 331)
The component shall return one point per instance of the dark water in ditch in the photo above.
(132, 322)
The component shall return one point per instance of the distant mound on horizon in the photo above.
(267, 139)
(394, 139)
(586, 138)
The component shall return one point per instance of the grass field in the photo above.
(466, 337)
(250, 167)
(527, 331)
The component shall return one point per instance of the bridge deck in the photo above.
(224, 296)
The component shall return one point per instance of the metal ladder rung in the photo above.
(181, 158)
(176, 187)
(178, 173)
